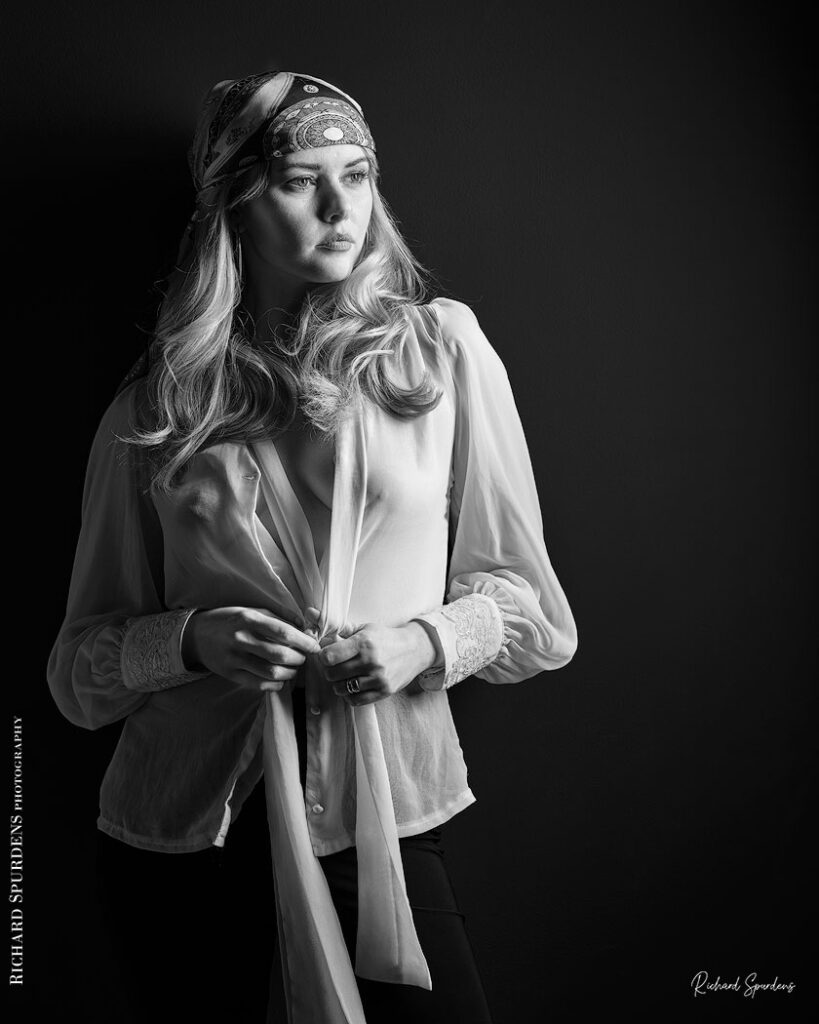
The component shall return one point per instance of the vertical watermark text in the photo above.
(16, 850)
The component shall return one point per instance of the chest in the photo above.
(390, 476)
(308, 459)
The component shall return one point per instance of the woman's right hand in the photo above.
(248, 646)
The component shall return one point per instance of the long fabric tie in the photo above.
(319, 981)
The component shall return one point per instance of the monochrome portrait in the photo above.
(421, 400)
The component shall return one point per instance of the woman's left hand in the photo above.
(384, 659)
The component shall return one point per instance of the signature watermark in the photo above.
(702, 985)
(16, 861)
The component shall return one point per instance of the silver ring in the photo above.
(353, 685)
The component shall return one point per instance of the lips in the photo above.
(337, 241)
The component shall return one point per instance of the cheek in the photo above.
(365, 209)
(279, 229)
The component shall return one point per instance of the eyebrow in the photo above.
(317, 167)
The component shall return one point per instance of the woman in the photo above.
(309, 512)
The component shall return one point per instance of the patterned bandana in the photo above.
(264, 117)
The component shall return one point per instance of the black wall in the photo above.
(624, 193)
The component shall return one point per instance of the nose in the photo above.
(335, 205)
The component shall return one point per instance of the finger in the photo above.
(264, 670)
(278, 654)
(338, 651)
(252, 682)
(358, 700)
(365, 685)
(268, 627)
(347, 670)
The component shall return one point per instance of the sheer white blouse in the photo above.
(435, 518)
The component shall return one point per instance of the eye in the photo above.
(300, 184)
(358, 176)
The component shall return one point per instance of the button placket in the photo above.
(314, 804)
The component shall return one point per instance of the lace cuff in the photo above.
(151, 656)
(471, 633)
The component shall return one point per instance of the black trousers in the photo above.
(193, 936)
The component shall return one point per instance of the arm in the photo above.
(505, 616)
(117, 642)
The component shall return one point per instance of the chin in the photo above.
(331, 274)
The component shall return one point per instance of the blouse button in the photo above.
(315, 710)
(317, 809)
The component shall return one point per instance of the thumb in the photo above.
(351, 627)
(311, 618)
(312, 613)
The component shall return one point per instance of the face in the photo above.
(314, 196)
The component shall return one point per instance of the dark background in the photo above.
(624, 193)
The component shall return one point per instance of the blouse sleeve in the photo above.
(505, 616)
(117, 642)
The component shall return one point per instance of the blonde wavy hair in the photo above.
(211, 383)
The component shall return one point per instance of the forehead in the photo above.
(320, 158)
